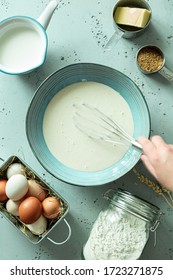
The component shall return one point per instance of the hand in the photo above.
(158, 158)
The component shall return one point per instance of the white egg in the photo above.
(13, 206)
(16, 187)
(15, 168)
(39, 227)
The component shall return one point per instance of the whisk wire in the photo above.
(110, 128)
(94, 135)
(113, 124)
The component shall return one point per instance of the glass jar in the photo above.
(122, 230)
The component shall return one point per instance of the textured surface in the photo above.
(77, 33)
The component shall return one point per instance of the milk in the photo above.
(21, 49)
(67, 143)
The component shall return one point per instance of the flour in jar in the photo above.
(116, 235)
(67, 143)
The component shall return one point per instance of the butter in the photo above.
(136, 17)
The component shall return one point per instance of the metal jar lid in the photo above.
(135, 206)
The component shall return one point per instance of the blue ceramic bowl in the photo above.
(64, 77)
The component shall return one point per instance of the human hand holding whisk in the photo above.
(158, 158)
(157, 155)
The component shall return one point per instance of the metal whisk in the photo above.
(95, 124)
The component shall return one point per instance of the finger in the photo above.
(171, 146)
(143, 140)
(148, 164)
(158, 141)
(147, 145)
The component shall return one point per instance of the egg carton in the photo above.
(15, 221)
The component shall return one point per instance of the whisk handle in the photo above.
(136, 144)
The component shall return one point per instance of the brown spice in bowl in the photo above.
(150, 59)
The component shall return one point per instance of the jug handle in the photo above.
(46, 15)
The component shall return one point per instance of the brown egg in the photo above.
(36, 190)
(3, 196)
(51, 207)
(30, 210)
